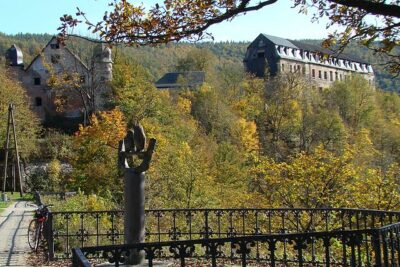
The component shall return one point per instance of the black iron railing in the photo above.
(87, 229)
(368, 247)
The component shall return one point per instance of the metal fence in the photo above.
(368, 247)
(174, 226)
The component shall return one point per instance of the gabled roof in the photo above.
(312, 48)
(64, 47)
(181, 79)
(279, 41)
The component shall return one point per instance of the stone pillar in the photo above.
(134, 212)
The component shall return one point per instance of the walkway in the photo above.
(13, 234)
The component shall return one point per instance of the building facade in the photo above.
(273, 55)
(55, 60)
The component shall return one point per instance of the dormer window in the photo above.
(55, 46)
(36, 81)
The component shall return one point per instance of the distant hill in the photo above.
(162, 59)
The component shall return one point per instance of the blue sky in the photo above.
(42, 16)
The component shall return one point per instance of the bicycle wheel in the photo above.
(33, 234)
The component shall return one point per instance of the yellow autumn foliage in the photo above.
(95, 147)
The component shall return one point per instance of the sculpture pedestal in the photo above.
(134, 213)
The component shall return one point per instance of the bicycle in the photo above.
(35, 228)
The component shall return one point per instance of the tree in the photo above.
(134, 94)
(27, 124)
(309, 181)
(176, 20)
(354, 99)
(95, 149)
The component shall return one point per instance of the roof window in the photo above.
(55, 46)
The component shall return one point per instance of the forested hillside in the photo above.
(235, 141)
(162, 59)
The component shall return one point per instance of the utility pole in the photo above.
(11, 124)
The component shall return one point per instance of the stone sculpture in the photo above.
(131, 150)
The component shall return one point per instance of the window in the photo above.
(304, 70)
(36, 81)
(55, 46)
(313, 73)
(38, 101)
(55, 59)
(320, 74)
(325, 75)
(67, 77)
(283, 67)
(340, 77)
(336, 76)
(291, 68)
(331, 76)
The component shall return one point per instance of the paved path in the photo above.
(14, 223)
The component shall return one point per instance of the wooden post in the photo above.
(13, 176)
(11, 122)
(6, 149)
(16, 151)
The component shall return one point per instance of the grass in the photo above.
(12, 198)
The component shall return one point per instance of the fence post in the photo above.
(50, 236)
(377, 248)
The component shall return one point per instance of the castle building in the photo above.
(56, 59)
(277, 55)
